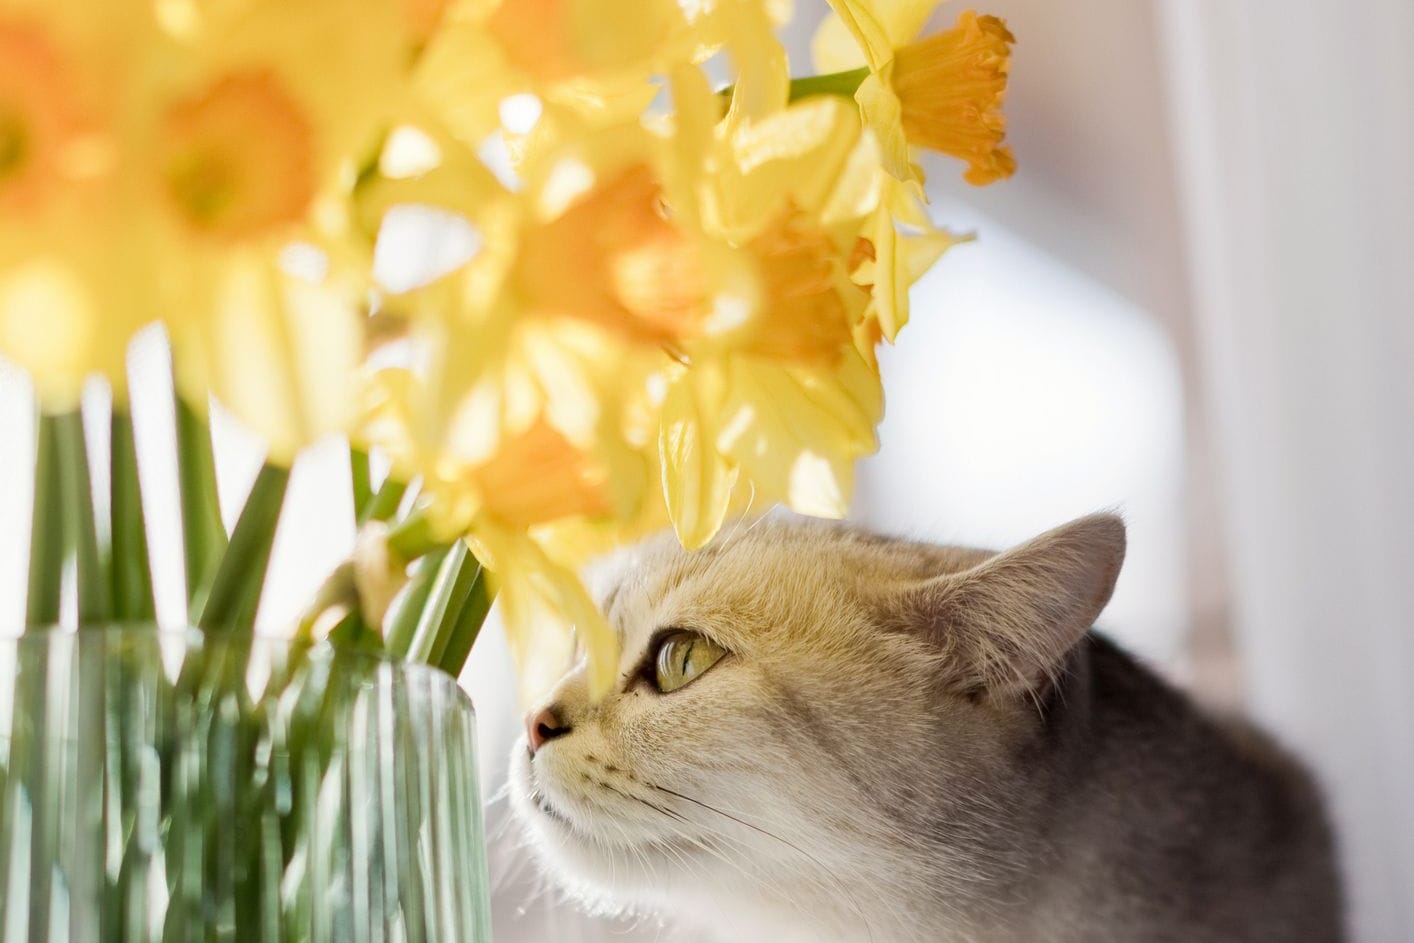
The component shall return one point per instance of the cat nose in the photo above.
(542, 726)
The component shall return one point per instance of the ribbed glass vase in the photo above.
(182, 787)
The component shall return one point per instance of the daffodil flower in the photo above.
(510, 484)
(670, 299)
(159, 162)
(941, 92)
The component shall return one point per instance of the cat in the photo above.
(823, 735)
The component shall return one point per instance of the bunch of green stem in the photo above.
(434, 621)
(102, 540)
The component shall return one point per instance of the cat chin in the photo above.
(598, 869)
(601, 878)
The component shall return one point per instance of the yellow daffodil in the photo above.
(159, 161)
(671, 298)
(512, 496)
(670, 316)
(788, 402)
(760, 219)
(540, 478)
(942, 92)
(749, 263)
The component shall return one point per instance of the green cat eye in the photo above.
(682, 657)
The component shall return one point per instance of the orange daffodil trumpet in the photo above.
(950, 88)
(671, 295)
(942, 92)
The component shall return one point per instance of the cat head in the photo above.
(799, 705)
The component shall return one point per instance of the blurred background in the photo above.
(1193, 304)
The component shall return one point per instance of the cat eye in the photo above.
(683, 656)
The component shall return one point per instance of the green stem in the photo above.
(80, 526)
(402, 625)
(131, 568)
(360, 480)
(203, 534)
(353, 632)
(462, 632)
(413, 537)
(446, 602)
(46, 552)
(63, 812)
(235, 591)
(450, 592)
(385, 503)
(25, 774)
(843, 84)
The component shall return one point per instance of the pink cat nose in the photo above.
(543, 725)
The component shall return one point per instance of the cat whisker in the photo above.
(738, 820)
(682, 835)
(500, 795)
(695, 867)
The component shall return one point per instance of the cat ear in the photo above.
(1007, 623)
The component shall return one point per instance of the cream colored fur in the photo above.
(856, 768)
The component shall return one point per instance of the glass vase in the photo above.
(181, 786)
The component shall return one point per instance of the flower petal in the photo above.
(697, 480)
(881, 26)
(546, 609)
(883, 112)
(797, 432)
(281, 353)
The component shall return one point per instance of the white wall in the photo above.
(1296, 126)
(1024, 394)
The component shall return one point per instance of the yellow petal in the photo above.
(698, 111)
(280, 353)
(883, 112)
(796, 155)
(881, 26)
(858, 187)
(546, 609)
(697, 481)
(48, 327)
(900, 259)
(456, 181)
(746, 29)
(797, 432)
(852, 394)
(834, 48)
(811, 157)
(564, 40)
(464, 77)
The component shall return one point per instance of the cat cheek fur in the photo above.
(659, 798)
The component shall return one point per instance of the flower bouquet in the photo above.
(673, 265)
